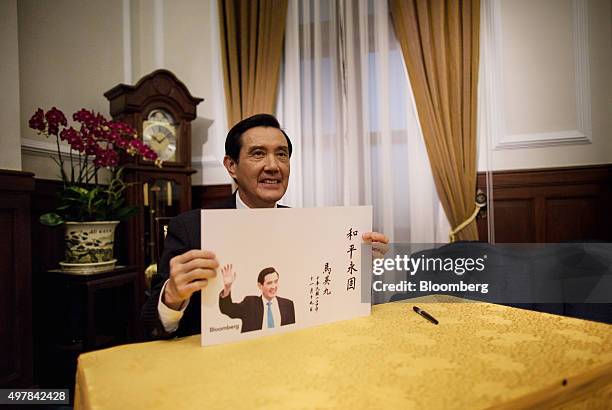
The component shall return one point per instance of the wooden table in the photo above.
(480, 355)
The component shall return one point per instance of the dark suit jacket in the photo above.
(183, 235)
(251, 311)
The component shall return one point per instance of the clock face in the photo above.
(159, 132)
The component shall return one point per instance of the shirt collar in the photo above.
(242, 205)
(265, 301)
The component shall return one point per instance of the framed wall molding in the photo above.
(210, 171)
(582, 66)
(45, 149)
(206, 161)
(493, 76)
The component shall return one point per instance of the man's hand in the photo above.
(379, 243)
(189, 272)
(229, 276)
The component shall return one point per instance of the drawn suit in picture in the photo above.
(257, 312)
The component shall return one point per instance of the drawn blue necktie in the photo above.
(270, 317)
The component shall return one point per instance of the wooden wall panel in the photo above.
(15, 279)
(8, 363)
(514, 220)
(205, 194)
(48, 241)
(550, 205)
(573, 219)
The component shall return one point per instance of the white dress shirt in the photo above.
(170, 318)
(275, 313)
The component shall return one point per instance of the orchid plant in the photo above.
(95, 143)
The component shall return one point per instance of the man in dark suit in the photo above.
(257, 312)
(257, 158)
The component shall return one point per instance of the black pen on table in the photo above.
(425, 315)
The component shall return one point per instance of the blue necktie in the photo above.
(270, 317)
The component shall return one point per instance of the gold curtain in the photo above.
(439, 41)
(251, 34)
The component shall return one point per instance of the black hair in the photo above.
(264, 272)
(233, 142)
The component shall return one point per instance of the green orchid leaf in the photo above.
(126, 212)
(78, 190)
(51, 219)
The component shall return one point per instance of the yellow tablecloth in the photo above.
(480, 355)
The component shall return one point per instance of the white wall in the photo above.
(71, 62)
(191, 45)
(549, 99)
(10, 154)
(72, 51)
(600, 13)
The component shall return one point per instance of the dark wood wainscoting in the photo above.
(47, 241)
(205, 194)
(15, 279)
(550, 205)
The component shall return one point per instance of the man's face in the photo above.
(269, 286)
(262, 172)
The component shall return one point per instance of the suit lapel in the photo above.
(281, 308)
(259, 313)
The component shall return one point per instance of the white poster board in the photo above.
(316, 252)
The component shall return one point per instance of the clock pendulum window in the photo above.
(160, 198)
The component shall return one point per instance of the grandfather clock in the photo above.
(160, 108)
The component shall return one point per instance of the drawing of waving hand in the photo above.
(229, 276)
